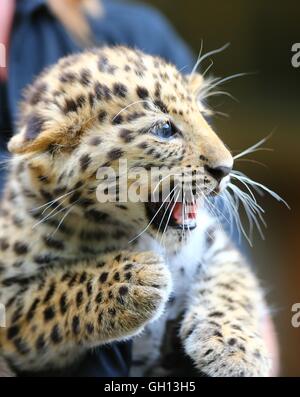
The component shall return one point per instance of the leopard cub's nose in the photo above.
(219, 172)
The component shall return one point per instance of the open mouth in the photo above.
(171, 214)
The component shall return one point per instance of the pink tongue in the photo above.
(190, 212)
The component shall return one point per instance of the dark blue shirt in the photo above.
(39, 40)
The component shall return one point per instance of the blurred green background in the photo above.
(261, 34)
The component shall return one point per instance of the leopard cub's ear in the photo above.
(34, 135)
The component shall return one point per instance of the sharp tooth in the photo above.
(190, 223)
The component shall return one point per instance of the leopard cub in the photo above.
(76, 273)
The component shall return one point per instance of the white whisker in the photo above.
(215, 93)
(166, 209)
(251, 211)
(208, 54)
(207, 69)
(131, 104)
(238, 220)
(228, 78)
(243, 177)
(48, 216)
(222, 114)
(64, 217)
(52, 202)
(169, 217)
(254, 148)
(198, 60)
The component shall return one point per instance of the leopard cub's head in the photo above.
(121, 113)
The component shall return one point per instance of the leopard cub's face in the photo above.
(116, 111)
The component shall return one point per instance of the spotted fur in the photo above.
(69, 279)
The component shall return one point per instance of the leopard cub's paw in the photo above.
(224, 352)
(152, 275)
(152, 271)
(147, 283)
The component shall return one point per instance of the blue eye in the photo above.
(165, 130)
